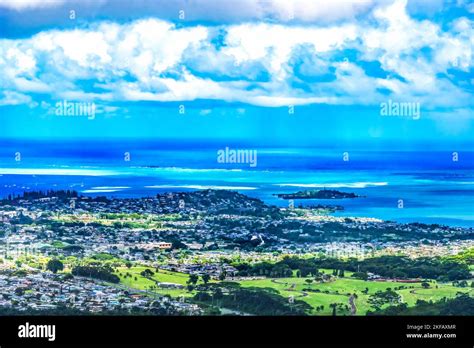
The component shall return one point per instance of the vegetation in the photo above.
(380, 298)
(386, 266)
(460, 305)
(317, 194)
(102, 273)
(54, 265)
(251, 300)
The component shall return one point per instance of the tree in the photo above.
(309, 281)
(147, 273)
(425, 285)
(360, 275)
(54, 265)
(128, 264)
(205, 278)
(103, 273)
(222, 275)
(380, 298)
(218, 294)
(193, 279)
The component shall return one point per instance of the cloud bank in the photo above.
(385, 54)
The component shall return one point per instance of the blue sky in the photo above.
(238, 67)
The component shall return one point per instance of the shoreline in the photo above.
(337, 209)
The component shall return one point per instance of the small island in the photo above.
(317, 194)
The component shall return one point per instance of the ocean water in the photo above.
(433, 187)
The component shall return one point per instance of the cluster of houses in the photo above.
(208, 220)
(213, 225)
(46, 291)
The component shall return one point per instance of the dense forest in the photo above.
(102, 273)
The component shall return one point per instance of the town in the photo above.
(158, 255)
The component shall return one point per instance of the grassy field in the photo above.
(137, 281)
(444, 290)
(339, 290)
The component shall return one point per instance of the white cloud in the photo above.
(274, 43)
(14, 98)
(321, 11)
(154, 60)
(30, 4)
(315, 10)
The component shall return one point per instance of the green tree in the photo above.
(147, 273)
(54, 265)
(205, 278)
(381, 298)
(193, 279)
